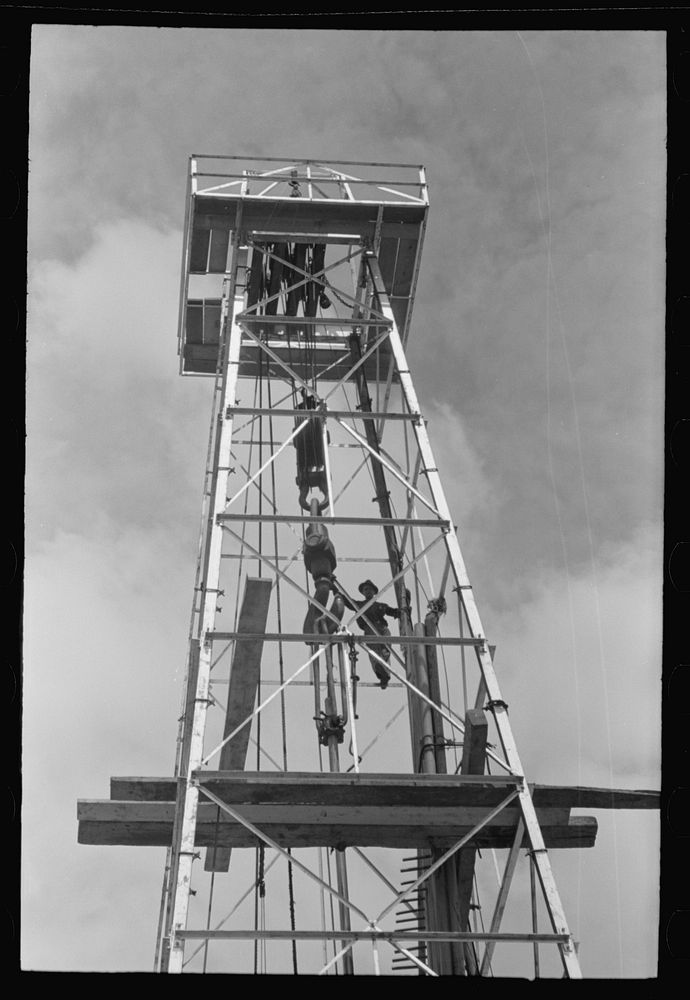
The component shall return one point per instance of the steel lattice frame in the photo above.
(370, 308)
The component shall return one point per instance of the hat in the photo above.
(368, 583)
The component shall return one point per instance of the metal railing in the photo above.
(315, 180)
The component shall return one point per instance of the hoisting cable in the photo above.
(260, 920)
(476, 910)
(368, 460)
(234, 909)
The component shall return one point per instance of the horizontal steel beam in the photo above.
(419, 522)
(319, 638)
(305, 161)
(266, 411)
(277, 319)
(265, 236)
(306, 178)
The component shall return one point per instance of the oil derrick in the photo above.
(341, 723)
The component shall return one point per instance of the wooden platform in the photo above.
(329, 350)
(213, 217)
(300, 809)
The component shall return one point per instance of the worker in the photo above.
(372, 622)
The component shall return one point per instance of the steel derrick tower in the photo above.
(347, 795)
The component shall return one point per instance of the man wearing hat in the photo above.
(373, 622)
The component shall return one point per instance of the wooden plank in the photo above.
(200, 359)
(218, 257)
(339, 788)
(421, 817)
(404, 268)
(198, 254)
(288, 216)
(388, 252)
(377, 788)
(194, 322)
(244, 672)
(431, 653)
(473, 762)
(244, 681)
(578, 797)
(579, 832)
(212, 318)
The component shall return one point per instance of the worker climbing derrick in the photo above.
(372, 622)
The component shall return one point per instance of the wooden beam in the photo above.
(345, 815)
(431, 629)
(580, 831)
(294, 216)
(244, 681)
(578, 797)
(473, 762)
(375, 788)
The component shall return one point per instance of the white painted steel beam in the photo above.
(184, 848)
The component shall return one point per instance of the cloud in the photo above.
(465, 478)
(543, 386)
(587, 646)
(578, 661)
(111, 426)
(104, 647)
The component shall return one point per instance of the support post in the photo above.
(183, 851)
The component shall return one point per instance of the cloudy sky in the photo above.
(537, 351)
